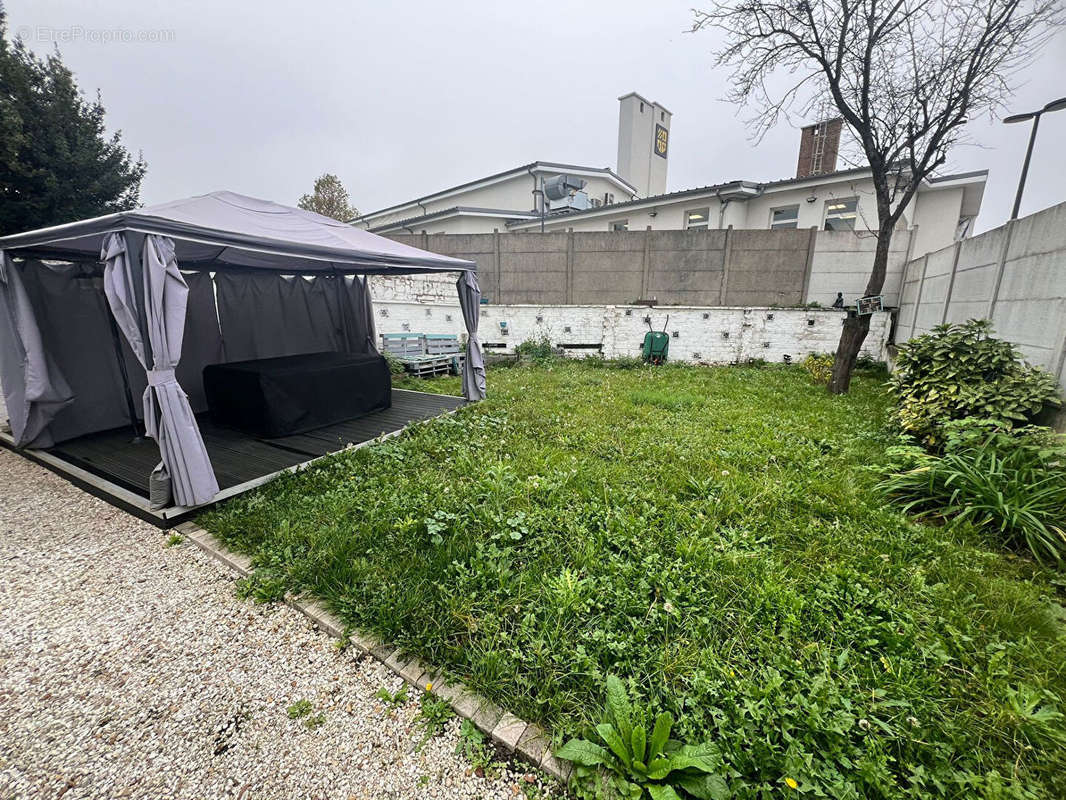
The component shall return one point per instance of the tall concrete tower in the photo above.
(643, 143)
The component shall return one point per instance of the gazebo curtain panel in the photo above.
(160, 306)
(306, 315)
(474, 364)
(34, 389)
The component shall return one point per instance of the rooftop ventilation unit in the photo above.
(559, 186)
(566, 191)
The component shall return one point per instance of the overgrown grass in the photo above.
(713, 537)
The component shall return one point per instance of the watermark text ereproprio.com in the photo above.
(70, 34)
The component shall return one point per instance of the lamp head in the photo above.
(1056, 105)
(1020, 117)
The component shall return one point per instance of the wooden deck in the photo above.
(241, 462)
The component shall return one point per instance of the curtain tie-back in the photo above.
(157, 377)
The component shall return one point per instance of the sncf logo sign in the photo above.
(662, 136)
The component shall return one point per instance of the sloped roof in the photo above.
(606, 172)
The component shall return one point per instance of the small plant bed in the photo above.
(715, 538)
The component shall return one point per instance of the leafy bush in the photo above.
(869, 364)
(395, 365)
(958, 371)
(1011, 483)
(539, 350)
(820, 367)
(634, 763)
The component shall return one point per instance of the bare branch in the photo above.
(905, 75)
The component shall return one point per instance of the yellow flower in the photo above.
(791, 783)
(429, 687)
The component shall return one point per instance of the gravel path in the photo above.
(130, 669)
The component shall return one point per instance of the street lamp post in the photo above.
(1056, 105)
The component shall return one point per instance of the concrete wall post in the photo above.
(951, 283)
(645, 266)
(1060, 371)
(918, 297)
(808, 267)
(499, 265)
(912, 234)
(994, 298)
(727, 254)
(569, 266)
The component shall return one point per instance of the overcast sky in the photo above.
(402, 99)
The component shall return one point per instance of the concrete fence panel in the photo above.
(533, 267)
(608, 266)
(673, 267)
(685, 267)
(975, 275)
(767, 267)
(843, 261)
(1014, 275)
(1032, 288)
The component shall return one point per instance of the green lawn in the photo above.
(709, 535)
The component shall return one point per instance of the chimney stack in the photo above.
(819, 145)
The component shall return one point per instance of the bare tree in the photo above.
(906, 76)
(330, 199)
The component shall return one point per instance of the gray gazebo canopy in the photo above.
(223, 229)
(195, 269)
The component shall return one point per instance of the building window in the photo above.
(662, 116)
(619, 225)
(782, 218)
(641, 108)
(840, 214)
(696, 219)
(608, 198)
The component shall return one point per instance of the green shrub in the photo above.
(631, 763)
(820, 367)
(1010, 483)
(539, 350)
(395, 365)
(958, 371)
(868, 363)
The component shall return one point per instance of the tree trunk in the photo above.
(856, 327)
(851, 339)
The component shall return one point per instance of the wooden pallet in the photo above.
(403, 345)
(430, 366)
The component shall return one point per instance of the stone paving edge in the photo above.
(526, 741)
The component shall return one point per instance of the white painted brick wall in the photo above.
(435, 287)
(768, 333)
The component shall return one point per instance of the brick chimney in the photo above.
(819, 144)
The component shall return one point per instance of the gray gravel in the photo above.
(130, 669)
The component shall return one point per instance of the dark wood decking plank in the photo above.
(237, 457)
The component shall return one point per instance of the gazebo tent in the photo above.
(147, 298)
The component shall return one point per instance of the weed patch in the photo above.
(433, 715)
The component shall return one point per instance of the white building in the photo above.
(491, 203)
(540, 196)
